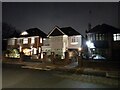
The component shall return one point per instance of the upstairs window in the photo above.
(34, 50)
(40, 40)
(91, 37)
(25, 41)
(74, 40)
(11, 42)
(116, 37)
(97, 37)
(18, 41)
(32, 40)
(100, 36)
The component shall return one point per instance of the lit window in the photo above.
(116, 37)
(26, 51)
(100, 37)
(34, 51)
(74, 40)
(40, 40)
(25, 41)
(41, 55)
(32, 40)
(39, 50)
(20, 49)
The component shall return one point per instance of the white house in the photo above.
(61, 39)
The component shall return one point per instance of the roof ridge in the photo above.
(104, 28)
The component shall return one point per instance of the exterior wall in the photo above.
(65, 43)
(36, 42)
(56, 44)
(116, 50)
(75, 45)
(46, 42)
(46, 49)
(110, 44)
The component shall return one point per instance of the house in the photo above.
(60, 40)
(104, 40)
(29, 42)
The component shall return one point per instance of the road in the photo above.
(13, 77)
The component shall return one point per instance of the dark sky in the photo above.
(25, 15)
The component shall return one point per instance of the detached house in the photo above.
(60, 40)
(29, 42)
(104, 40)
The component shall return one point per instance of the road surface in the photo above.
(13, 77)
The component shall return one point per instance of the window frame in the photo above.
(116, 37)
(32, 40)
(25, 40)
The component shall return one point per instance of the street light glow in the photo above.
(90, 44)
(79, 49)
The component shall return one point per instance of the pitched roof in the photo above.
(63, 31)
(104, 28)
(69, 31)
(34, 32)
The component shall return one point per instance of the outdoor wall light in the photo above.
(79, 49)
(24, 33)
(44, 38)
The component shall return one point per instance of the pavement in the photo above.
(72, 68)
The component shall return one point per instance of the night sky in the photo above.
(25, 15)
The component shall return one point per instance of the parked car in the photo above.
(97, 56)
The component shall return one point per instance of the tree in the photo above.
(8, 31)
